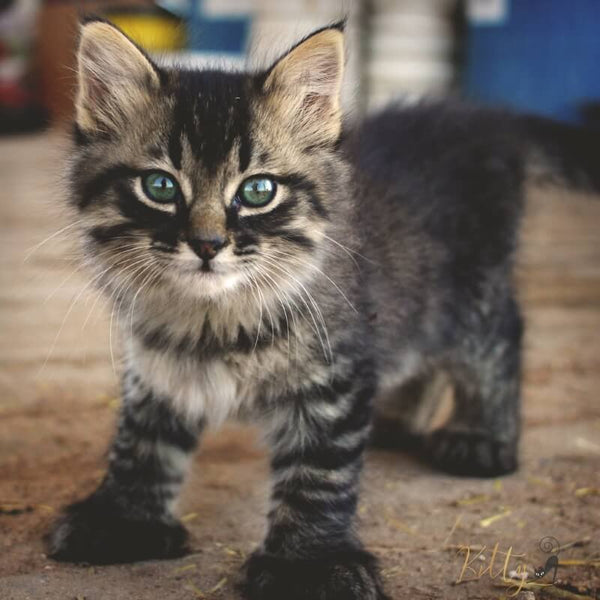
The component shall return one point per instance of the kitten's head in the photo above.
(205, 182)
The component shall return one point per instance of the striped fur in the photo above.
(132, 511)
(383, 259)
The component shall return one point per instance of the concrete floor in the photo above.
(58, 401)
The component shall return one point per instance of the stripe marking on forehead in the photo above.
(212, 110)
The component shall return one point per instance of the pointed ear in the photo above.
(305, 84)
(115, 78)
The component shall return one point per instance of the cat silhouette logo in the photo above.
(549, 545)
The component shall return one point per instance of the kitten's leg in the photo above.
(129, 517)
(482, 437)
(310, 550)
(404, 415)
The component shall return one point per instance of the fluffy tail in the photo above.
(561, 153)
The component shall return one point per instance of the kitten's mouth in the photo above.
(207, 274)
(210, 278)
(211, 281)
(202, 271)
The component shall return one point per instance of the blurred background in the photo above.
(59, 348)
(536, 55)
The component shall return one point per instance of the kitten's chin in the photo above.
(209, 284)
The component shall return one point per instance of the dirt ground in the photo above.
(58, 402)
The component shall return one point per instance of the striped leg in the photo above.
(310, 550)
(481, 439)
(129, 517)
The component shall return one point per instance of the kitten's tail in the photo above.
(560, 153)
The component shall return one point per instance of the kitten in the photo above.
(266, 264)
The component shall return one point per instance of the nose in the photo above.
(207, 249)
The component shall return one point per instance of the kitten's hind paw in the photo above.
(471, 454)
(93, 531)
(347, 575)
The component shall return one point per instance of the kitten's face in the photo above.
(205, 182)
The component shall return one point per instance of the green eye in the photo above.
(257, 191)
(160, 187)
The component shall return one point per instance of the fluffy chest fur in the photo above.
(214, 361)
(210, 389)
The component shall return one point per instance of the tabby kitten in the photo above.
(265, 265)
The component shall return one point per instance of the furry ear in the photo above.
(304, 86)
(115, 78)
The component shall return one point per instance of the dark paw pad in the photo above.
(471, 454)
(347, 575)
(92, 531)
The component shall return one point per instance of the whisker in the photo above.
(33, 249)
(272, 286)
(153, 275)
(313, 266)
(102, 289)
(71, 306)
(276, 265)
(79, 268)
(255, 287)
(120, 289)
(349, 251)
(147, 275)
(269, 315)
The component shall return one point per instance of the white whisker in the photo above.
(279, 267)
(349, 251)
(315, 268)
(33, 249)
(282, 302)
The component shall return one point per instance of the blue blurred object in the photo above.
(212, 35)
(539, 56)
(216, 34)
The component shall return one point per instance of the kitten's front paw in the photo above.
(348, 575)
(93, 531)
(471, 454)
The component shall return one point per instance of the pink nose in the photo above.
(207, 249)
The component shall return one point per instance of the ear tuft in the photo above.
(340, 25)
(305, 85)
(115, 78)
